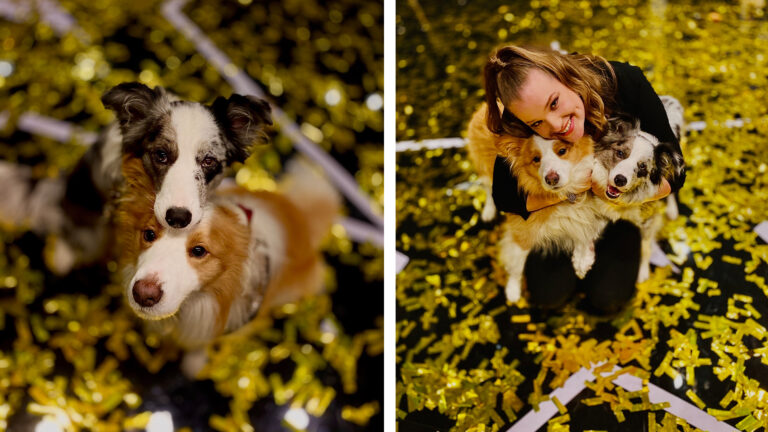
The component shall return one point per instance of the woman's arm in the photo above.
(538, 202)
(664, 190)
(506, 193)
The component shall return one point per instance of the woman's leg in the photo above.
(550, 279)
(611, 282)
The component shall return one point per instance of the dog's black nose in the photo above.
(178, 217)
(620, 180)
(147, 292)
(552, 178)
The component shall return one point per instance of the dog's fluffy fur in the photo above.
(261, 249)
(568, 227)
(185, 148)
(482, 152)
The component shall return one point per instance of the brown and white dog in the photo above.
(548, 168)
(249, 252)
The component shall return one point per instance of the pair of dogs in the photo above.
(625, 167)
(196, 259)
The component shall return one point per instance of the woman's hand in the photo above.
(664, 190)
(538, 202)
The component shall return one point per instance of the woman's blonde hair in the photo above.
(591, 77)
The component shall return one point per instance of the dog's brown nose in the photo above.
(147, 292)
(552, 178)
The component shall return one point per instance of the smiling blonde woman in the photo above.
(567, 96)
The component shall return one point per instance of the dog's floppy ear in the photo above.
(243, 119)
(510, 125)
(670, 164)
(508, 146)
(619, 128)
(133, 102)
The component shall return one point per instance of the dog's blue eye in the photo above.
(198, 251)
(161, 156)
(620, 154)
(149, 235)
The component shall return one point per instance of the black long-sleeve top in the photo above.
(634, 97)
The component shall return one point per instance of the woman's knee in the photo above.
(550, 279)
(611, 282)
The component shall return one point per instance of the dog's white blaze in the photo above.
(165, 260)
(184, 183)
(181, 189)
(550, 162)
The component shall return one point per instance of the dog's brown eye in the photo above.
(198, 252)
(208, 162)
(149, 235)
(620, 154)
(562, 151)
(641, 165)
(536, 159)
(161, 156)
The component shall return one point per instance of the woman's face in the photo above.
(550, 108)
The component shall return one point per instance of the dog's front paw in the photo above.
(513, 290)
(644, 273)
(672, 209)
(59, 256)
(582, 259)
(193, 362)
(489, 210)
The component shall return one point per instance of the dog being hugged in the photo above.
(629, 168)
(185, 147)
(250, 251)
(549, 168)
(483, 146)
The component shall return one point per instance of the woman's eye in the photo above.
(208, 162)
(149, 235)
(198, 251)
(161, 156)
(553, 105)
(536, 124)
(536, 159)
(562, 151)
